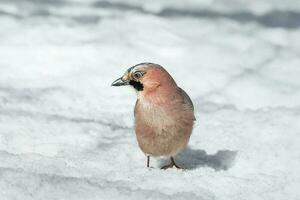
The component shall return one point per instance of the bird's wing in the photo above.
(187, 100)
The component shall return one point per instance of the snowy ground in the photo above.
(66, 134)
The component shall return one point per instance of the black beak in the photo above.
(120, 82)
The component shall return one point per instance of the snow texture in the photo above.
(66, 134)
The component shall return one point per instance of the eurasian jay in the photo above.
(164, 113)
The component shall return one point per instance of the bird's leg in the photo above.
(173, 161)
(171, 164)
(148, 161)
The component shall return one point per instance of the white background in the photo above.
(65, 133)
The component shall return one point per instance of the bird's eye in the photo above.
(137, 75)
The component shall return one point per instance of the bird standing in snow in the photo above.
(164, 113)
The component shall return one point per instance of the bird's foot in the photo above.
(178, 167)
(171, 165)
(167, 166)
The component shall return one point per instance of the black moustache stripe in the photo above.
(137, 85)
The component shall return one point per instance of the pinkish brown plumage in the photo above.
(164, 113)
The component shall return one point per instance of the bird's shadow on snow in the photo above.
(196, 158)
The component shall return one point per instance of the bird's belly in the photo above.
(162, 132)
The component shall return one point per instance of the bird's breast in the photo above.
(159, 118)
(152, 115)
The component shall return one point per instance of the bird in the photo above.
(163, 113)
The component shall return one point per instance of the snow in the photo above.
(66, 134)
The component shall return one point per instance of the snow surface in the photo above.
(66, 134)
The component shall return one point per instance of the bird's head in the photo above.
(146, 77)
